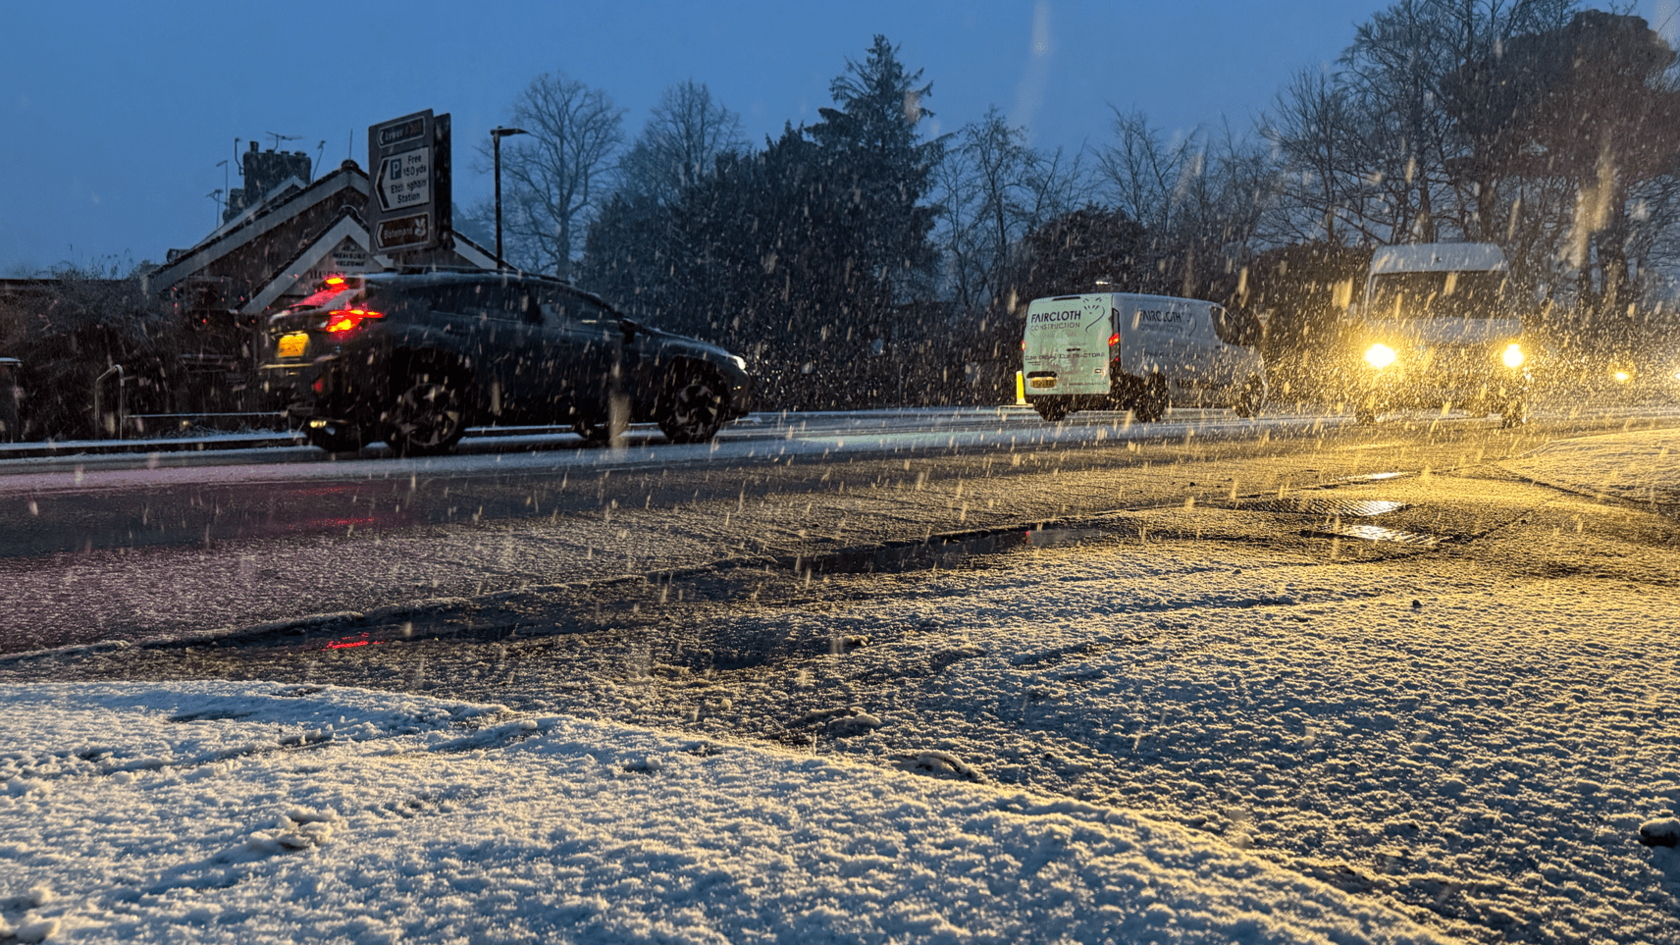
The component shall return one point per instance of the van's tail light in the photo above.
(346, 319)
(1113, 339)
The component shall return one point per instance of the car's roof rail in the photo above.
(565, 283)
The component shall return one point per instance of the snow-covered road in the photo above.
(1184, 730)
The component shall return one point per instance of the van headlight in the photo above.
(1513, 355)
(1379, 356)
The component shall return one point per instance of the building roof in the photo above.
(265, 251)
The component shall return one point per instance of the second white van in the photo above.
(1143, 353)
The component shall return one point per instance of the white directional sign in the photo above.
(405, 180)
(409, 208)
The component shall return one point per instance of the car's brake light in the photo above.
(346, 319)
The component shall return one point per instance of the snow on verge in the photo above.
(1637, 466)
(256, 812)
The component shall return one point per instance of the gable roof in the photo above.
(349, 226)
(300, 226)
(264, 219)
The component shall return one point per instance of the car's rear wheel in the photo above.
(594, 432)
(335, 437)
(429, 414)
(1152, 401)
(694, 409)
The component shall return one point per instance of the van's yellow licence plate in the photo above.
(293, 345)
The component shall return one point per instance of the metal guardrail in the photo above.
(112, 425)
(11, 400)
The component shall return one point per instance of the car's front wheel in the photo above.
(694, 410)
(429, 414)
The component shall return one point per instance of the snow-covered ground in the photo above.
(1250, 744)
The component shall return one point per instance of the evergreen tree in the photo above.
(870, 145)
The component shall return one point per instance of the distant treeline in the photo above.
(859, 261)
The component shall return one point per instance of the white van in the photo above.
(1143, 353)
(1438, 327)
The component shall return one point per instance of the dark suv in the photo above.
(414, 358)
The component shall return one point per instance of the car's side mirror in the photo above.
(629, 328)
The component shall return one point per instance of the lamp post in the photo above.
(496, 136)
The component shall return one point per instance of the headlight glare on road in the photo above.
(1379, 356)
(1514, 355)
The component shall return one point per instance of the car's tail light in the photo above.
(1113, 339)
(346, 319)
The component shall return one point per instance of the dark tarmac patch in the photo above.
(940, 551)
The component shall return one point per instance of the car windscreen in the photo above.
(1440, 295)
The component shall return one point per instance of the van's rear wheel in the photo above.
(1514, 414)
(1053, 411)
(1152, 401)
(1252, 399)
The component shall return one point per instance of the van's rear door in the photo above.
(1066, 345)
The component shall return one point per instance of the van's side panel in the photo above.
(1066, 349)
(1156, 333)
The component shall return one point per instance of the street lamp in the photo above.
(496, 136)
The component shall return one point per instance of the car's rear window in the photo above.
(340, 296)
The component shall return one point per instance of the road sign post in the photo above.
(409, 207)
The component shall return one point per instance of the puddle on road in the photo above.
(1376, 477)
(1318, 505)
(1374, 533)
(940, 552)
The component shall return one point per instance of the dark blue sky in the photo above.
(116, 112)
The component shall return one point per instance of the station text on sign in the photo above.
(405, 180)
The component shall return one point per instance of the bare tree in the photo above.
(1201, 198)
(557, 174)
(1312, 127)
(1143, 171)
(994, 189)
(684, 135)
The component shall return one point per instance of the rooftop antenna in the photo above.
(216, 195)
(280, 137)
(223, 164)
(318, 154)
